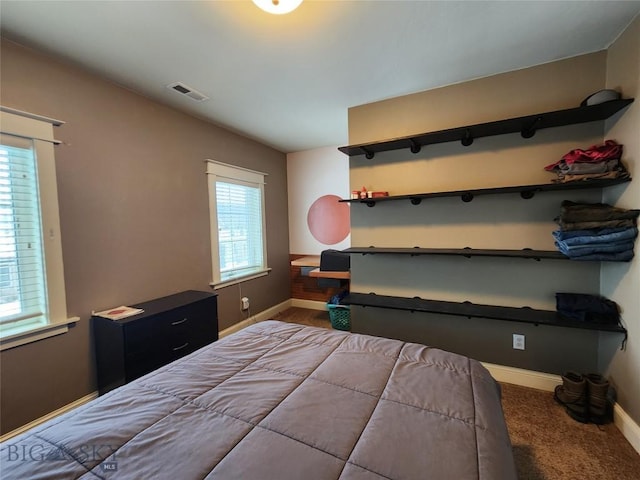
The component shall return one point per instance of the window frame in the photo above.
(218, 171)
(40, 130)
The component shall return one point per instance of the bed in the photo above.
(283, 401)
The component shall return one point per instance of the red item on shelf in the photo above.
(609, 150)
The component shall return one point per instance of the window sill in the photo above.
(11, 340)
(234, 281)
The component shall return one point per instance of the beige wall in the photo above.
(486, 99)
(134, 217)
(621, 282)
(495, 222)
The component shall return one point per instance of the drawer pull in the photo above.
(175, 349)
(179, 322)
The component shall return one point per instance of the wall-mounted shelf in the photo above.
(463, 252)
(525, 191)
(527, 126)
(473, 310)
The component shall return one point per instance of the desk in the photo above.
(316, 272)
(308, 261)
(310, 266)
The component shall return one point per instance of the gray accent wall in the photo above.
(483, 339)
(134, 217)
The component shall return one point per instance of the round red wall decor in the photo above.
(328, 220)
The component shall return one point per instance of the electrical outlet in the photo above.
(518, 341)
(245, 303)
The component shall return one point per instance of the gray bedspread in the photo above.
(283, 401)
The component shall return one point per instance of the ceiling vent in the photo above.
(188, 91)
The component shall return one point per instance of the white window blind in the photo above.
(239, 228)
(32, 292)
(236, 207)
(23, 296)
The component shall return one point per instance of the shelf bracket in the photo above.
(527, 249)
(413, 310)
(370, 203)
(530, 131)
(467, 139)
(527, 194)
(467, 302)
(466, 197)
(416, 200)
(415, 146)
(367, 153)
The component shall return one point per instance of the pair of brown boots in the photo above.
(585, 397)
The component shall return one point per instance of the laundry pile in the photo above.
(596, 231)
(598, 161)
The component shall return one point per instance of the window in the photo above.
(32, 296)
(236, 209)
(22, 295)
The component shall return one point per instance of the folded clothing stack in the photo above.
(588, 308)
(596, 231)
(598, 161)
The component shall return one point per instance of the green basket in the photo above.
(340, 316)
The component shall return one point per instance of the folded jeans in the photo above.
(581, 250)
(628, 233)
(625, 256)
(566, 234)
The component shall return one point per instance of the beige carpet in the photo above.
(547, 443)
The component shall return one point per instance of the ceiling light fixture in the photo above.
(278, 7)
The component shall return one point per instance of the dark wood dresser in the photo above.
(169, 328)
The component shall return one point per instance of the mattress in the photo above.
(283, 401)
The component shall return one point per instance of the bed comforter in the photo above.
(283, 401)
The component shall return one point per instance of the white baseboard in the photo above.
(629, 428)
(310, 304)
(258, 317)
(547, 382)
(525, 378)
(272, 311)
(49, 416)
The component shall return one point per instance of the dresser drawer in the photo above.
(178, 321)
(186, 329)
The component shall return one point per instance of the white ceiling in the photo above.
(288, 81)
